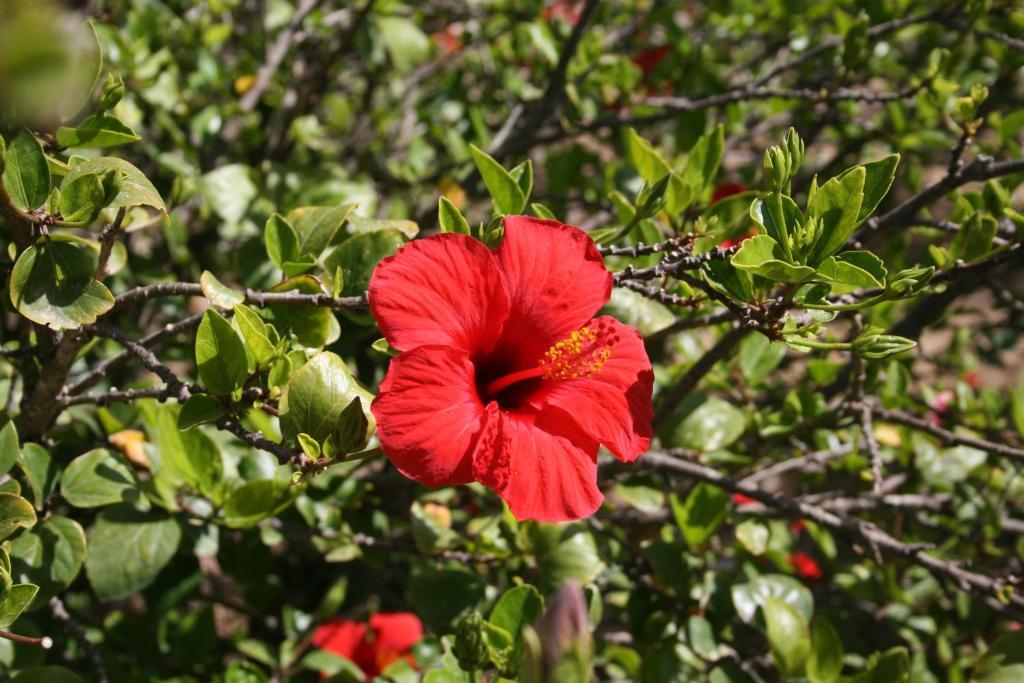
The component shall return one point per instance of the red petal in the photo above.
(445, 290)
(340, 636)
(428, 415)
(397, 631)
(544, 470)
(557, 282)
(614, 406)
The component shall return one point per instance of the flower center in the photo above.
(580, 355)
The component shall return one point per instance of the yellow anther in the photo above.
(580, 355)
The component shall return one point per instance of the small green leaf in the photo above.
(754, 536)
(15, 513)
(52, 284)
(26, 176)
(713, 425)
(704, 158)
(256, 500)
(857, 268)
(778, 216)
(406, 44)
(256, 335)
(316, 227)
(788, 636)
(974, 239)
(518, 608)
(505, 191)
(748, 597)
(127, 549)
(359, 255)
(98, 478)
(220, 354)
(759, 356)
(40, 470)
(98, 130)
(9, 447)
(15, 601)
(200, 409)
(312, 326)
(449, 218)
(837, 205)
(219, 293)
(761, 255)
(877, 181)
(700, 515)
(893, 666)
(1003, 662)
(280, 240)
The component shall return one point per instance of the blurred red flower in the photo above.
(728, 189)
(373, 647)
(648, 60)
(740, 499)
(567, 10)
(448, 39)
(505, 377)
(805, 566)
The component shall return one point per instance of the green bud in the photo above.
(113, 91)
(910, 281)
(349, 435)
(470, 645)
(651, 198)
(781, 163)
(871, 343)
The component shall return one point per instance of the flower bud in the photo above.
(561, 647)
(470, 646)
(113, 91)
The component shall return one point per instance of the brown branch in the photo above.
(70, 624)
(45, 642)
(944, 435)
(146, 292)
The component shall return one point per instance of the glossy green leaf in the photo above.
(406, 44)
(15, 513)
(564, 553)
(754, 536)
(15, 601)
(200, 409)
(714, 424)
(41, 472)
(316, 227)
(136, 190)
(359, 255)
(762, 255)
(312, 326)
(505, 191)
(49, 555)
(748, 597)
(788, 635)
(777, 215)
(892, 666)
(837, 205)
(26, 176)
(1003, 662)
(218, 293)
(52, 284)
(9, 447)
(316, 395)
(280, 240)
(878, 177)
(98, 130)
(256, 335)
(704, 158)
(857, 268)
(186, 457)
(98, 478)
(127, 549)
(825, 662)
(700, 515)
(220, 354)
(517, 608)
(759, 356)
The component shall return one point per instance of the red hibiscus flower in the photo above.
(372, 647)
(805, 566)
(505, 377)
(740, 499)
(566, 10)
(448, 39)
(648, 60)
(726, 189)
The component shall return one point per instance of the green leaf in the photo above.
(220, 354)
(15, 601)
(359, 255)
(358, 224)
(517, 608)
(52, 284)
(256, 335)
(98, 130)
(255, 500)
(15, 513)
(837, 205)
(974, 239)
(316, 395)
(878, 177)
(788, 636)
(46, 674)
(636, 310)
(762, 255)
(316, 226)
(704, 158)
(26, 176)
(136, 190)
(186, 457)
(450, 219)
(9, 448)
(857, 268)
(229, 191)
(1016, 409)
(40, 470)
(127, 550)
(713, 425)
(200, 409)
(1003, 662)
(565, 553)
(98, 478)
(754, 536)
(748, 597)
(312, 326)
(505, 191)
(281, 240)
(49, 555)
(219, 293)
(759, 356)
(645, 158)
(778, 216)
(83, 199)
(440, 594)
(700, 515)
(826, 658)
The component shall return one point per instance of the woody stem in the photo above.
(502, 383)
